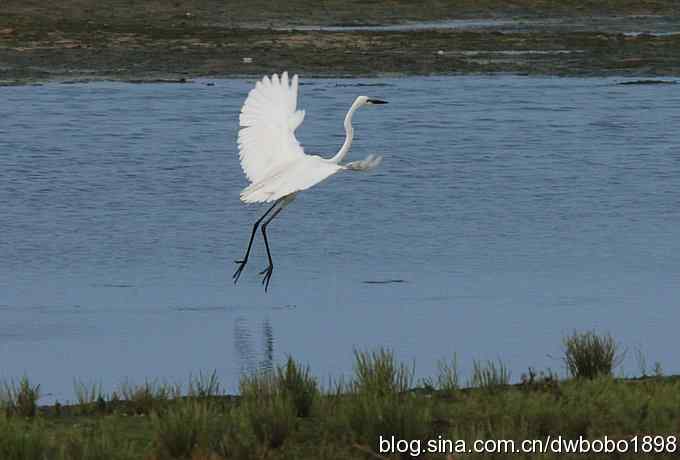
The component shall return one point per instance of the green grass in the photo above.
(588, 355)
(378, 372)
(489, 375)
(186, 427)
(266, 413)
(379, 402)
(90, 397)
(447, 379)
(20, 440)
(204, 385)
(144, 398)
(299, 386)
(19, 398)
(283, 414)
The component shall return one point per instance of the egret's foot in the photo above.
(267, 272)
(241, 265)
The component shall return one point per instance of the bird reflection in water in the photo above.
(253, 358)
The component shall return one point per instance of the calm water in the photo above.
(512, 209)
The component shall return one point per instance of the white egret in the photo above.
(274, 161)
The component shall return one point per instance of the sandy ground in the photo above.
(163, 40)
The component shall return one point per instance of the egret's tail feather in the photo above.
(368, 163)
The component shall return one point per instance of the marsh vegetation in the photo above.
(287, 413)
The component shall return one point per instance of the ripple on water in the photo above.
(526, 206)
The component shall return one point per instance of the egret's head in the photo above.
(365, 100)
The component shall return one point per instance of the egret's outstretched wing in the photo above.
(268, 121)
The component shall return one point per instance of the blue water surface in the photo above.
(508, 212)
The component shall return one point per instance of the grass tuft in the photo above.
(490, 375)
(378, 372)
(20, 398)
(588, 355)
(380, 403)
(89, 396)
(151, 395)
(447, 378)
(266, 410)
(204, 385)
(298, 385)
(185, 427)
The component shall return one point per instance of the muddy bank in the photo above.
(236, 13)
(67, 52)
(169, 40)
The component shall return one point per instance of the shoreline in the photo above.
(286, 413)
(122, 405)
(626, 80)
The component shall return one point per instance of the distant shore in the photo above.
(74, 42)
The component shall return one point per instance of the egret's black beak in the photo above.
(376, 101)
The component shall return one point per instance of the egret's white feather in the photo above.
(268, 121)
(289, 178)
(271, 157)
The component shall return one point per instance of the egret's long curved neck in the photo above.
(349, 132)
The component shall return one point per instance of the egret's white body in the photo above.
(272, 158)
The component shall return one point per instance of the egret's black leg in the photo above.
(267, 272)
(242, 263)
